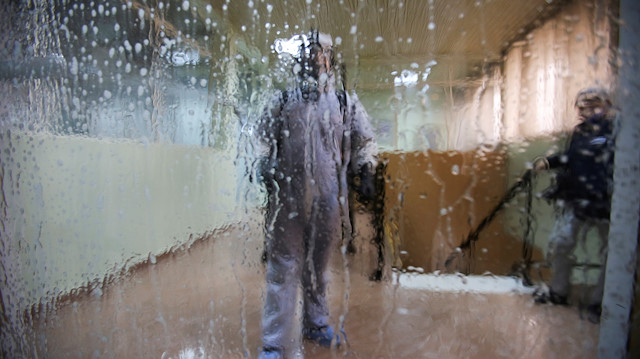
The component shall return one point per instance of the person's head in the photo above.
(316, 55)
(592, 101)
(321, 53)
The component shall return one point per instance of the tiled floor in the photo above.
(206, 303)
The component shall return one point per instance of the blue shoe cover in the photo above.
(324, 336)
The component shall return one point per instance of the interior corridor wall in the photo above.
(99, 174)
(531, 93)
(80, 209)
(476, 113)
(544, 72)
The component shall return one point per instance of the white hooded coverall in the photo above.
(314, 141)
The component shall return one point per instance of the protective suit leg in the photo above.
(323, 234)
(284, 262)
(561, 245)
(603, 231)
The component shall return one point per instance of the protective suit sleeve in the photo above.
(364, 148)
(268, 132)
(269, 121)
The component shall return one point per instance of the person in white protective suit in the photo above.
(317, 137)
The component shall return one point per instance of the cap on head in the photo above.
(593, 95)
(324, 40)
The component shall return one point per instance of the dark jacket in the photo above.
(585, 169)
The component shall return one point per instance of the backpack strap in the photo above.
(342, 98)
(285, 98)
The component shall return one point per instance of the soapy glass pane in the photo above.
(137, 201)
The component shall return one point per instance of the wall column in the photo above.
(623, 234)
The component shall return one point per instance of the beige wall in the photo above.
(476, 113)
(531, 93)
(544, 72)
(435, 199)
(79, 209)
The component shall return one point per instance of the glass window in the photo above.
(393, 179)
